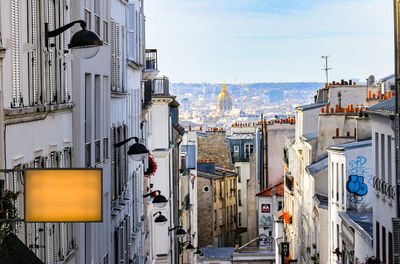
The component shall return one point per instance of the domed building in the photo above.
(224, 103)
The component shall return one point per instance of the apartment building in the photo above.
(216, 189)
(384, 181)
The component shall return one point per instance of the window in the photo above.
(377, 155)
(240, 219)
(280, 205)
(115, 57)
(105, 31)
(97, 17)
(337, 182)
(384, 244)
(378, 241)
(119, 164)
(248, 150)
(240, 197)
(332, 183)
(383, 157)
(132, 32)
(215, 219)
(238, 175)
(88, 119)
(343, 182)
(88, 19)
(97, 118)
(389, 158)
(390, 237)
(236, 148)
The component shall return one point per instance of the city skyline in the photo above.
(236, 41)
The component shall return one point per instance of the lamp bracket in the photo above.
(58, 31)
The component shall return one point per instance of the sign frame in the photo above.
(66, 169)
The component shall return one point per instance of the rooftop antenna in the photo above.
(326, 69)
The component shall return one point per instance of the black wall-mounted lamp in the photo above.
(158, 200)
(189, 245)
(160, 219)
(180, 233)
(84, 43)
(137, 151)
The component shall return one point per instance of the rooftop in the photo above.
(238, 136)
(217, 252)
(322, 199)
(352, 145)
(311, 106)
(268, 191)
(310, 136)
(219, 173)
(386, 107)
(318, 165)
(362, 222)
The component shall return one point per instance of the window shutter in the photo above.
(128, 238)
(396, 240)
(113, 165)
(125, 155)
(36, 49)
(126, 241)
(141, 35)
(112, 40)
(64, 59)
(121, 244)
(118, 57)
(15, 53)
(51, 58)
(43, 66)
(137, 37)
(131, 29)
(49, 244)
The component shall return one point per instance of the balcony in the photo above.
(160, 86)
(151, 71)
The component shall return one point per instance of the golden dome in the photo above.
(224, 103)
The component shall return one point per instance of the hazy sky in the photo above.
(270, 40)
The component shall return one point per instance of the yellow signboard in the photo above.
(63, 195)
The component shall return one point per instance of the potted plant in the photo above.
(315, 258)
(314, 246)
(337, 252)
(152, 167)
(372, 260)
(308, 250)
(8, 211)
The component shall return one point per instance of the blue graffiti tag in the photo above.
(357, 174)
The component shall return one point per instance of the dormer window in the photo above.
(236, 148)
(248, 150)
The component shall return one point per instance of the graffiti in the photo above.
(356, 185)
(266, 221)
(359, 178)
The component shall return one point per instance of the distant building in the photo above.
(216, 189)
(224, 103)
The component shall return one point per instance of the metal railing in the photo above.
(151, 59)
(161, 86)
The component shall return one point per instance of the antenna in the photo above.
(326, 69)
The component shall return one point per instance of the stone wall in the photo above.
(205, 212)
(214, 147)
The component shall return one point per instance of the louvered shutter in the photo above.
(51, 55)
(125, 155)
(141, 35)
(65, 58)
(131, 31)
(43, 65)
(137, 37)
(15, 52)
(121, 245)
(396, 240)
(113, 165)
(118, 57)
(128, 238)
(121, 161)
(34, 54)
(49, 244)
(113, 57)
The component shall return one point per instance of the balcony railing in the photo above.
(151, 59)
(161, 86)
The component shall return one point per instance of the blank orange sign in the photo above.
(63, 195)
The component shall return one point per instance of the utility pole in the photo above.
(326, 69)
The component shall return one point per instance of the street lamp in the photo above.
(160, 219)
(137, 151)
(180, 233)
(198, 252)
(158, 200)
(189, 245)
(84, 43)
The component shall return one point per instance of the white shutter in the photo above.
(141, 35)
(43, 56)
(49, 244)
(131, 29)
(128, 238)
(36, 49)
(396, 240)
(51, 58)
(16, 52)
(137, 26)
(121, 245)
(65, 59)
(113, 58)
(113, 165)
(118, 58)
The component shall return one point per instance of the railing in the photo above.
(384, 187)
(151, 59)
(97, 151)
(88, 156)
